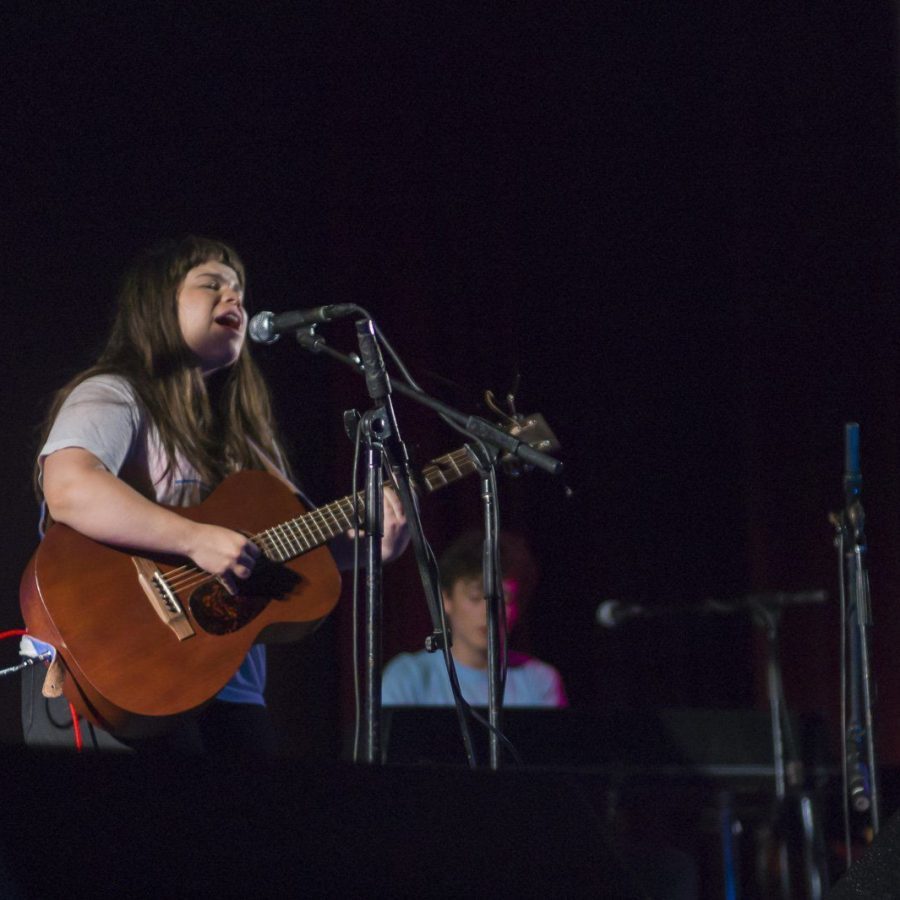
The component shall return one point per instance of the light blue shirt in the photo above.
(421, 679)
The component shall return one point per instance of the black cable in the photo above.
(459, 700)
(357, 714)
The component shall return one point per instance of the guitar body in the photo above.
(130, 671)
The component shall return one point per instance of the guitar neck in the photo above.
(299, 535)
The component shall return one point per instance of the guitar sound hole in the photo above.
(218, 612)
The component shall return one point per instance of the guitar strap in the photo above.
(273, 469)
(53, 680)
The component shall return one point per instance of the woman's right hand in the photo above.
(227, 554)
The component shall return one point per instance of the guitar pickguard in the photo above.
(218, 612)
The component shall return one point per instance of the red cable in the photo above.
(15, 632)
(76, 728)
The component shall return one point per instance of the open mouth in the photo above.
(230, 319)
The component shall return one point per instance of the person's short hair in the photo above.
(463, 559)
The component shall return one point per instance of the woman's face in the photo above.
(211, 314)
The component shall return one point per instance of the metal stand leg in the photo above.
(729, 828)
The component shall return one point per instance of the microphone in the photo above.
(377, 381)
(266, 327)
(611, 613)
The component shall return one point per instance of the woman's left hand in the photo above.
(396, 532)
(394, 539)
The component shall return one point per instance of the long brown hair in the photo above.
(146, 347)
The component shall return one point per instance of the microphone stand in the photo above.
(383, 442)
(486, 462)
(374, 430)
(383, 419)
(766, 610)
(440, 638)
(852, 549)
(474, 426)
(788, 769)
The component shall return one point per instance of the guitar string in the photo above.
(281, 546)
(183, 578)
(275, 542)
(269, 539)
(190, 577)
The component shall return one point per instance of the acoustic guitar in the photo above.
(146, 639)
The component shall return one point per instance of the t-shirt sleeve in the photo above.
(550, 690)
(100, 416)
(401, 683)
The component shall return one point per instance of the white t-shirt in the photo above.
(104, 416)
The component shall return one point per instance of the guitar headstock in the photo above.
(531, 429)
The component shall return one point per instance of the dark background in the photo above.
(675, 228)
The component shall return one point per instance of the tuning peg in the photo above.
(491, 402)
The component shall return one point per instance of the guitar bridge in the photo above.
(162, 598)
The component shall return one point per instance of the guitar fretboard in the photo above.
(299, 535)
